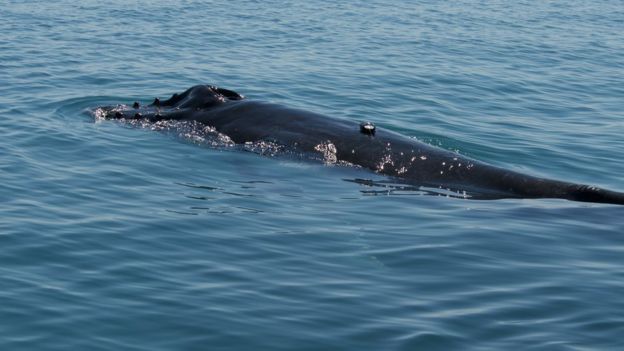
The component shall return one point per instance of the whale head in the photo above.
(199, 97)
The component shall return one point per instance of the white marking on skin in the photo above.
(329, 152)
(387, 159)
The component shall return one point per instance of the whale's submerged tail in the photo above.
(497, 183)
(588, 193)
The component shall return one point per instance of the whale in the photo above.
(359, 143)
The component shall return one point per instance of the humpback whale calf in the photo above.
(383, 151)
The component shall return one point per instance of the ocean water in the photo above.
(122, 238)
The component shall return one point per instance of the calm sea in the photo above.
(121, 238)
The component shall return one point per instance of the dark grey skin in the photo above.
(382, 151)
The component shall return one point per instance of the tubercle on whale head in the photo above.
(119, 112)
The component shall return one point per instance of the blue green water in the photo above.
(120, 238)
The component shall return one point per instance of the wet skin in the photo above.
(378, 149)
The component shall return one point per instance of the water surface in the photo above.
(120, 238)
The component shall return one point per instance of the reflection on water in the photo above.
(390, 187)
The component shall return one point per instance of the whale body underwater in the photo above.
(382, 151)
